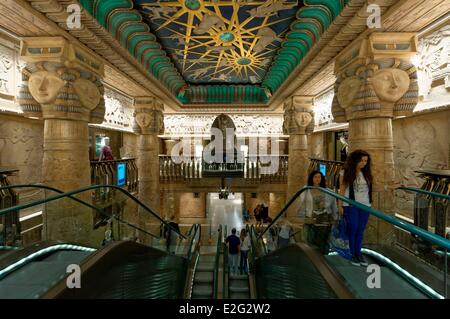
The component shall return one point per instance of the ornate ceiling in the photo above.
(214, 51)
(220, 42)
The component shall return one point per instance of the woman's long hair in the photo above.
(322, 179)
(350, 167)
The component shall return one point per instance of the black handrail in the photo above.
(69, 194)
(76, 199)
(422, 191)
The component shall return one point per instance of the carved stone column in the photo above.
(276, 203)
(375, 83)
(150, 118)
(61, 85)
(298, 122)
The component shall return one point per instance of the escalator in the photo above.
(31, 272)
(303, 271)
(118, 268)
(206, 279)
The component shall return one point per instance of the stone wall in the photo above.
(261, 198)
(277, 201)
(420, 142)
(317, 145)
(191, 207)
(129, 145)
(21, 147)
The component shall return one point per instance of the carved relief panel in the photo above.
(179, 125)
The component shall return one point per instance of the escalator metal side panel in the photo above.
(329, 274)
(17, 255)
(96, 266)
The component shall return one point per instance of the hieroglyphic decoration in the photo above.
(10, 76)
(6, 72)
(246, 125)
(433, 68)
(322, 109)
(119, 111)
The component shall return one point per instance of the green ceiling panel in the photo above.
(103, 8)
(300, 25)
(335, 6)
(126, 22)
(135, 39)
(88, 5)
(147, 49)
(295, 45)
(119, 17)
(321, 15)
(126, 31)
(300, 35)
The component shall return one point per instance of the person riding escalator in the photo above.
(320, 211)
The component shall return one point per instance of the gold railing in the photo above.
(256, 169)
(105, 173)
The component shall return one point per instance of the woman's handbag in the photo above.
(339, 239)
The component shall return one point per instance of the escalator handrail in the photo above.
(216, 262)
(424, 234)
(84, 189)
(194, 228)
(74, 198)
(422, 191)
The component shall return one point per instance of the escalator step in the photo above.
(238, 286)
(202, 291)
(238, 277)
(205, 266)
(239, 295)
(204, 277)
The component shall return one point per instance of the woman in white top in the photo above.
(285, 234)
(245, 247)
(314, 203)
(356, 183)
(320, 206)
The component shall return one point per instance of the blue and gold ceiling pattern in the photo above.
(214, 51)
(220, 42)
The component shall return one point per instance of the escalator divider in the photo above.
(333, 279)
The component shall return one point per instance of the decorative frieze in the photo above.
(433, 68)
(119, 111)
(322, 109)
(246, 125)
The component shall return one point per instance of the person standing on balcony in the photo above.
(356, 183)
(106, 151)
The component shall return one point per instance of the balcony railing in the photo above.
(106, 173)
(254, 169)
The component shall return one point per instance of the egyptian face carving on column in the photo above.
(148, 116)
(375, 78)
(57, 84)
(298, 116)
